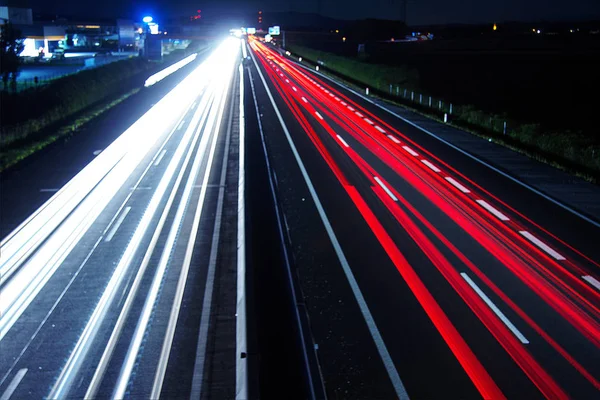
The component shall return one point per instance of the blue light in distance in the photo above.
(147, 19)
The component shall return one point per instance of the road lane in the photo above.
(454, 225)
(65, 310)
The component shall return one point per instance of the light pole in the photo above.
(146, 20)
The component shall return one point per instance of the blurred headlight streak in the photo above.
(212, 77)
(169, 70)
(34, 251)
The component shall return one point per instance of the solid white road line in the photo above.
(368, 121)
(457, 185)
(431, 166)
(388, 191)
(13, 384)
(181, 124)
(410, 151)
(241, 338)
(393, 138)
(160, 157)
(342, 140)
(493, 210)
(495, 309)
(380, 129)
(542, 245)
(364, 308)
(592, 281)
(318, 115)
(117, 224)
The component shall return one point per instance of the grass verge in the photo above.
(18, 150)
(570, 151)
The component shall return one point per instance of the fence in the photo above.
(446, 110)
(28, 83)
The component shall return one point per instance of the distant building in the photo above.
(15, 15)
(47, 35)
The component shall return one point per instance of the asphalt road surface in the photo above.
(425, 273)
(107, 289)
(382, 263)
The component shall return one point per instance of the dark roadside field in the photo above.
(547, 80)
(545, 87)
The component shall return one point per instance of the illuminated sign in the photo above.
(251, 31)
(274, 30)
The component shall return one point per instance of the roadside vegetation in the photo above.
(11, 45)
(36, 117)
(569, 150)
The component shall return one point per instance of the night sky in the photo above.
(419, 11)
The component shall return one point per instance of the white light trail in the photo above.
(159, 76)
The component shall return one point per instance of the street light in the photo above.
(147, 19)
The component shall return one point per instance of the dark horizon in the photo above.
(431, 12)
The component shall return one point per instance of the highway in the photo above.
(107, 289)
(425, 273)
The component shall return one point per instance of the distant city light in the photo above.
(538, 31)
(344, 39)
(147, 19)
(337, 31)
(495, 27)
